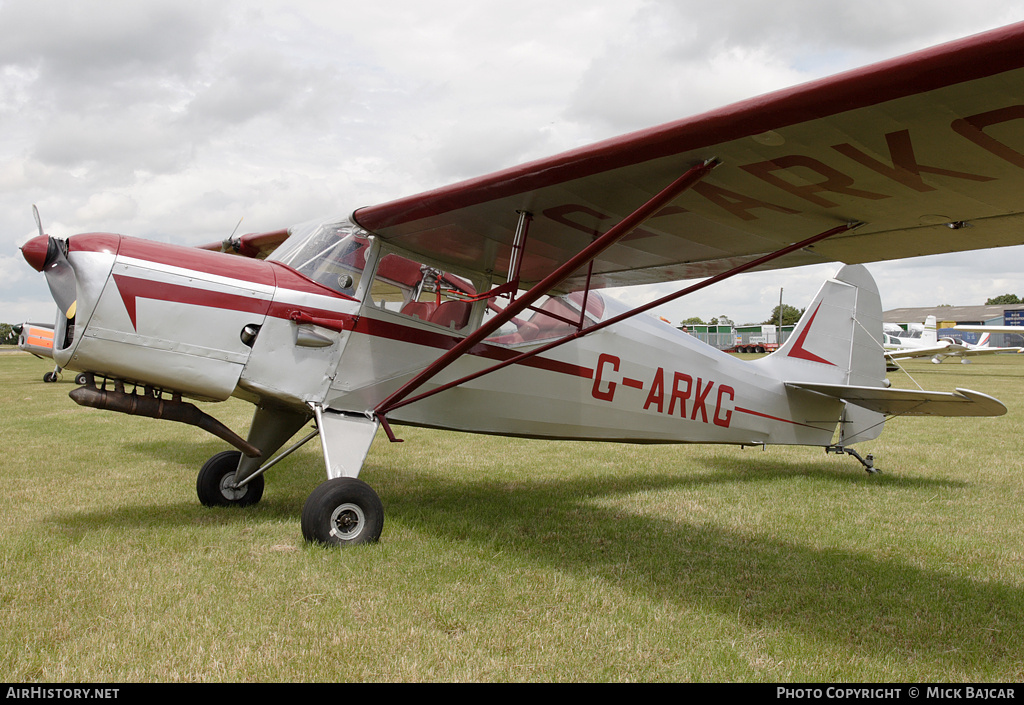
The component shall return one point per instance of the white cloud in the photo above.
(12, 268)
(107, 208)
(106, 41)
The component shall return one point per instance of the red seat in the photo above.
(452, 314)
(420, 309)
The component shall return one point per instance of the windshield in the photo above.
(331, 253)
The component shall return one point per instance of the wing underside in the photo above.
(950, 351)
(926, 150)
(913, 353)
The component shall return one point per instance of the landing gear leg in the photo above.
(344, 510)
(867, 461)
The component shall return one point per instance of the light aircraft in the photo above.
(986, 331)
(477, 306)
(37, 338)
(908, 345)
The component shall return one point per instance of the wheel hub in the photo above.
(347, 521)
(229, 490)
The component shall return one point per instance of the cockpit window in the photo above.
(332, 253)
(419, 290)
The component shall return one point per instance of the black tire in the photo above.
(344, 511)
(213, 486)
(50, 377)
(81, 378)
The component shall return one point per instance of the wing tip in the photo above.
(989, 404)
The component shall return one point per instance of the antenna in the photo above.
(236, 227)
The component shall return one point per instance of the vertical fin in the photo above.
(839, 341)
(930, 336)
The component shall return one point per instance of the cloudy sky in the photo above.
(174, 119)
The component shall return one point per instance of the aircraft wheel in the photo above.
(81, 378)
(216, 477)
(50, 377)
(344, 511)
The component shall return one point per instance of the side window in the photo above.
(550, 318)
(417, 290)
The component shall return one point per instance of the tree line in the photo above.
(791, 314)
(8, 334)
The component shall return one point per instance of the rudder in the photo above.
(838, 340)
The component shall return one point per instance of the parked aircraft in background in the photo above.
(987, 331)
(37, 338)
(908, 345)
(476, 307)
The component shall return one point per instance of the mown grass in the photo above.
(514, 560)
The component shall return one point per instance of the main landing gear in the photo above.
(343, 511)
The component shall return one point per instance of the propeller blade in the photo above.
(60, 275)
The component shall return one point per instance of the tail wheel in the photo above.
(343, 512)
(215, 484)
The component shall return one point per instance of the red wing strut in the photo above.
(517, 306)
(617, 319)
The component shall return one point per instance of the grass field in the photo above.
(513, 560)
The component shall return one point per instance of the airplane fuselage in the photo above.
(211, 326)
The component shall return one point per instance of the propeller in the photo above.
(60, 275)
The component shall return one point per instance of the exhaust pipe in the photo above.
(151, 405)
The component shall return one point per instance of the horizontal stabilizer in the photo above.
(911, 402)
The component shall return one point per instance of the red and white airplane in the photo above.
(908, 345)
(986, 331)
(477, 307)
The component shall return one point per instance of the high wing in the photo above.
(927, 151)
(991, 329)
